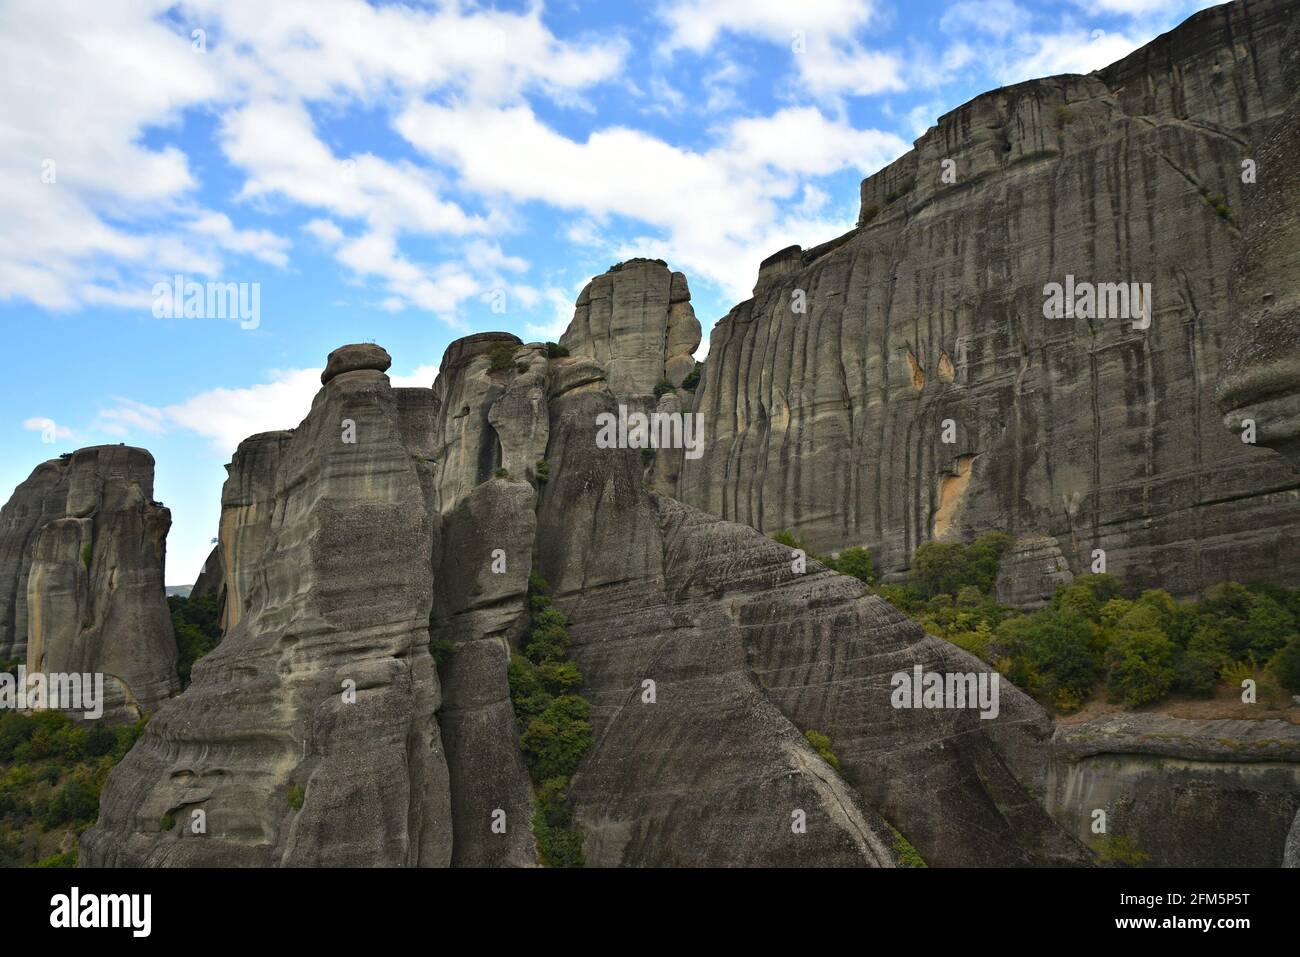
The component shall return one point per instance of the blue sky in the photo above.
(408, 174)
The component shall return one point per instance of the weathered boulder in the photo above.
(1186, 793)
(82, 549)
(834, 423)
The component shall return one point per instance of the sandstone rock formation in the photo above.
(385, 545)
(1092, 433)
(82, 547)
(308, 736)
(1260, 374)
(636, 320)
(343, 561)
(1187, 793)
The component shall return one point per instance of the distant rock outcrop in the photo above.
(924, 342)
(82, 546)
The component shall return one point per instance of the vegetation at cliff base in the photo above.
(51, 772)
(554, 724)
(1097, 637)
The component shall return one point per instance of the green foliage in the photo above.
(692, 380)
(1286, 665)
(1064, 116)
(543, 471)
(87, 553)
(66, 859)
(502, 472)
(558, 840)
(945, 567)
(1144, 647)
(501, 356)
(556, 739)
(77, 802)
(821, 743)
(295, 796)
(856, 563)
(1119, 851)
(1141, 665)
(555, 725)
(870, 212)
(196, 626)
(662, 388)
(788, 540)
(167, 822)
(549, 638)
(908, 855)
(556, 351)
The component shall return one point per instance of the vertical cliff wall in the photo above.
(307, 737)
(82, 549)
(1088, 432)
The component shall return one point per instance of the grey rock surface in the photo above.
(1260, 372)
(328, 549)
(82, 550)
(636, 320)
(1187, 793)
(747, 655)
(1094, 434)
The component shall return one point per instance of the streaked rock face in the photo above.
(327, 547)
(706, 652)
(82, 546)
(745, 655)
(636, 320)
(1095, 434)
(1260, 375)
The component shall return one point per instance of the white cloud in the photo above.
(718, 209)
(820, 36)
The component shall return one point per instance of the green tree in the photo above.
(1141, 666)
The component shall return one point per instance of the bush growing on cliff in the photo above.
(555, 725)
(856, 563)
(501, 356)
(821, 743)
(692, 380)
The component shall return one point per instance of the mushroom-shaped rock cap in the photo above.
(360, 355)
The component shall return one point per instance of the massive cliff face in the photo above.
(923, 393)
(1260, 374)
(82, 546)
